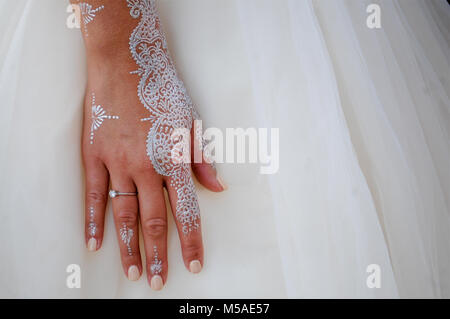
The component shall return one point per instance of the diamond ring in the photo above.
(113, 194)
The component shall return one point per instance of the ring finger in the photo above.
(125, 210)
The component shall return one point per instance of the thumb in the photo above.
(205, 172)
(207, 175)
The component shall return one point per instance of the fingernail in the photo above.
(195, 267)
(221, 182)
(133, 273)
(92, 244)
(156, 283)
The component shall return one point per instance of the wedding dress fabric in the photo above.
(364, 177)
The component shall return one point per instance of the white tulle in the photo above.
(364, 118)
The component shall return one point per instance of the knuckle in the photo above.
(87, 151)
(154, 227)
(121, 156)
(142, 167)
(117, 157)
(127, 217)
(96, 196)
(91, 156)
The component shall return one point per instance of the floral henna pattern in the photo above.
(156, 266)
(170, 109)
(98, 116)
(126, 234)
(88, 14)
(92, 229)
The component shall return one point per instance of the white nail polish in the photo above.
(195, 266)
(92, 244)
(221, 182)
(133, 273)
(156, 283)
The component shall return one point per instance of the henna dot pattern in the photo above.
(88, 14)
(126, 234)
(92, 229)
(156, 266)
(98, 117)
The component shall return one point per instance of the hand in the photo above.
(135, 104)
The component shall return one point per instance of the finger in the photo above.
(202, 166)
(184, 204)
(153, 217)
(125, 210)
(97, 181)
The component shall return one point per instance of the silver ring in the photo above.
(113, 194)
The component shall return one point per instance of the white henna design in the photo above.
(92, 229)
(156, 266)
(126, 234)
(88, 14)
(98, 116)
(163, 94)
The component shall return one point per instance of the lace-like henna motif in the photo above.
(156, 266)
(92, 229)
(98, 116)
(126, 234)
(88, 14)
(163, 94)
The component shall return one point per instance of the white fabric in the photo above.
(364, 118)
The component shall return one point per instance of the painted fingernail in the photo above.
(221, 182)
(133, 273)
(156, 283)
(195, 267)
(92, 244)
